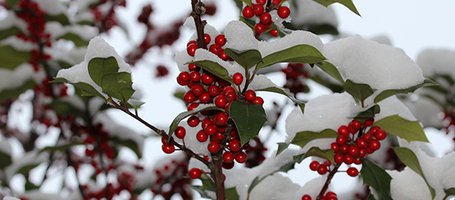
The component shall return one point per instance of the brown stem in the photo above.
(327, 182)
(217, 175)
(198, 11)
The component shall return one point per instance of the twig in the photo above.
(327, 182)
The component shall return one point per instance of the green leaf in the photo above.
(304, 137)
(318, 29)
(13, 93)
(246, 59)
(207, 183)
(119, 85)
(403, 128)
(76, 39)
(316, 151)
(410, 159)
(359, 91)
(302, 53)
(348, 3)
(371, 197)
(247, 2)
(99, 67)
(248, 118)
(61, 18)
(368, 114)
(12, 58)
(387, 93)
(5, 160)
(281, 147)
(449, 192)
(330, 69)
(8, 32)
(128, 143)
(65, 108)
(281, 91)
(62, 147)
(85, 89)
(231, 194)
(27, 168)
(11, 3)
(377, 178)
(175, 123)
(214, 68)
(179, 94)
(30, 186)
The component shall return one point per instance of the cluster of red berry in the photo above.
(172, 180)
(295, 78)
(261, 9)
(97, 141)
(215, 46)
(106, 20)
(328, 196)
(449, 121)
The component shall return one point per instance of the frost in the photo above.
(393, 106)
(10, 79)
(97, 47)
(283, 188)
(399, 186)
(437, 61)
(324, 112)
(378, 65)
(293, 39)
(309, 12)
(240, 37)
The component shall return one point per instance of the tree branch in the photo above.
(198, 11)
(327, 182)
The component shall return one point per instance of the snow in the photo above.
(437, 61)
(17, 44)
(29, 158)
(261, 82)
(324, 112)
(10, 79)
(52, 7)
(399, 186)
(240, 37)
(97, 47)
(427, 112)
(10, 198)
(283, 188)
(203, 54)
(11, 20)
(191, 141)
(5, 146)
(293, 39)
(378, 65)
(393, 106)
(309, 12)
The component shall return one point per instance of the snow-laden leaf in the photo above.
(128, 143)
(449, 192)
(387, 93)
(377, 178)
(118, 85)
(316, 151)
(82, 89)
(12, 58)
(281, 91)
(186, 114)
(330, 69)
(15, 92)
(61, 18)
(246, 59)
(231, 194)
(359, 91)
(400, 127)
(248, 119)
(100, 67)
(76, 39)
(302, 53)
(5, 159)
(64, 108)
(8, 32)
(304, 137)
(410, 159)
(61, 147)
(214, 68)
(348, 3)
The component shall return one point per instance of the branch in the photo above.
(327, 182)
(198, 11)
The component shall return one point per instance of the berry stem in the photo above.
(217, 175)
(327, 182)
(198, 10)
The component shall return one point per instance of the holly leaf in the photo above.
(348, 3)
(231, 194)
(304, 137)
(281, 147)
(359, 91)
(246, 59)
(82, 89)
(61, 18)
(64, 108)
(8, 32)
(368, 114)
(30, 186)
(449, 192)
(403, 128)
(62, 147)
(330, 69)
(248, 118)
(12, 58)
(175, 123)
(214, 68)
(281, 91)
(128, 143)
(76, 39)
(247, 2)
(13, 93)
(5, 160)
(118, 85)
(100, 67)
(410, 159)
(387, 93)
(316, 151)
(302, 53)
(377, 178)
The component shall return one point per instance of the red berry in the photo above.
(237, 78)
(361, 143)
(341, 140)
(207, 38)
(234, 145)
(215, 49)
(348, 159)
(240, 157)
(168, 148)
(195, 76)
(262, 2)
(228, 89)
(276, 2)
(228, 165)
(221, 119)
(207, 79)
(180, 132)
(191, 42)
(189, 97)
(228, 157)
(213, 90)
(339, 158)
(374, 145)
(314, 165)
(353, 150)
(322, 169)
(213, 147)
(193, 121)
(380, 134)
(248, 12)
(362, 153)
(274, 33)
(218, 137)
(368, 122)
(230, 97)
(357, 161)
(193, 67)
(352, 171)
(258, 100)
(283, 12)
(220, 101)
(223, 55)
(191, 50)
(197, 89)
(220, 40)
(265, 18)
(356, 125)
(259, 28)
(306, 197)
(334, 146)
(201, 136)
(250, 95)
(205, 97)
(343, 130)
(258, 9)
(195, 173)
(210, 129)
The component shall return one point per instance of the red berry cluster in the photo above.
(356, 141)
(328, 196)
(321, 168)
(172, 180)
(97, 141)
(295, 77)
(261, 9)
(107, 20)
(449, 121)
(215, 46)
